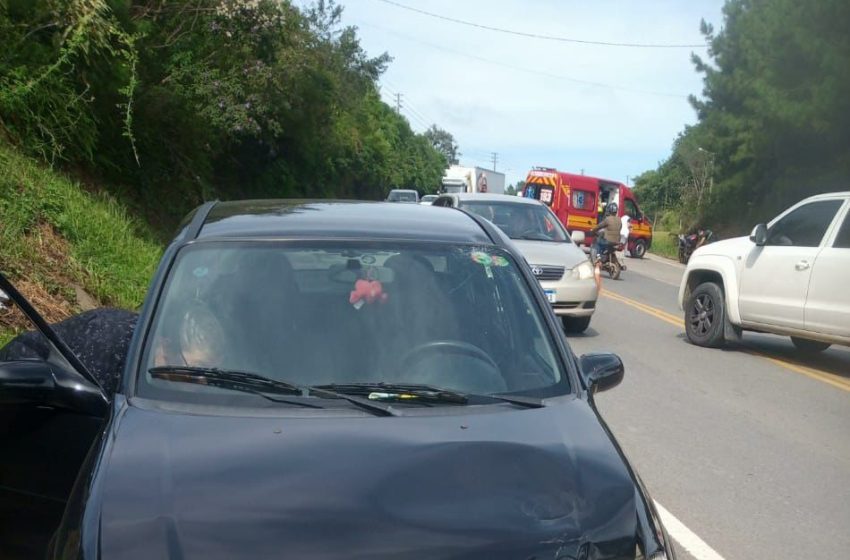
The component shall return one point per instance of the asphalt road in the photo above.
(749, 448)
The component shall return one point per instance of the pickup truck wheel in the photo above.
(809, 346)
(575, 325)
(639, 250)
(705, 313)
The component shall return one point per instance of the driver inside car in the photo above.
(522, 223)
(199, 342)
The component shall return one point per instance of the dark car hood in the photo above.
(499, 483)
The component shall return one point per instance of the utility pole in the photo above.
(398, 103)
(495, 157)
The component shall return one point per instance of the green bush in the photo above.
(111, 256)
(664, 244)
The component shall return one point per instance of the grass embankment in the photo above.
(665, 244)
(60, 244)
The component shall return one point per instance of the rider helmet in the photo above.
(611, 209)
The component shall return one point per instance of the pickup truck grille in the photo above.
(547, 273)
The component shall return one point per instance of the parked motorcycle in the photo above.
(689, 243)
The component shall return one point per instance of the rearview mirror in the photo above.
(577, 237)
(39, 383)
(601, 371)
(759, 235)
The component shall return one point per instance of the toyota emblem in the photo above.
(536, 270)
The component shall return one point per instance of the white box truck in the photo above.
(459, 179)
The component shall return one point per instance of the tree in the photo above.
(774, 115)
(443, 142)
(180, 101)
(511, 190)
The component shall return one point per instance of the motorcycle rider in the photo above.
(610, 227)
(704, 235)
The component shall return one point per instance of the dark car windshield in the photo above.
(402, 196)
(456, 317)
(519, 220)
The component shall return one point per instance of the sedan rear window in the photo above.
(457, 317)
(518, 220)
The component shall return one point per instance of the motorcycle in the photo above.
(608, 261)
(689, 243)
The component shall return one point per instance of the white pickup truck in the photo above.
(790, 277)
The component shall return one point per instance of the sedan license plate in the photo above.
(550, 295)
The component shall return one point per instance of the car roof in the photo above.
(486, 197)
(325, 219)
(842, 194)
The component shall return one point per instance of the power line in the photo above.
(526, 70)
(546, 37)
(399, 106)
(410, 106)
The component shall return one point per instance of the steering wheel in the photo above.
(456, 346)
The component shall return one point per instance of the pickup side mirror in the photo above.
(39, 383)
(578, 237)
(601, 371)
(759, 235)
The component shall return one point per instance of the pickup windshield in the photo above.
(321, 314)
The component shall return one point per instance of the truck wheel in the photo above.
(575, 325)
(639, 250)
(809, 346)
(705, 314)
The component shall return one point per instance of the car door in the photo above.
(828, 300)
(44, 441)
(775, 277)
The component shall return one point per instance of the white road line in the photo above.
(662, 260)
(689, 540)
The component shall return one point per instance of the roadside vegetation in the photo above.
(664, 244)
(774, 118)
(167, 103)
(66, 248)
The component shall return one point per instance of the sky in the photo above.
(612, 112)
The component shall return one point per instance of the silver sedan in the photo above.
(561, 267)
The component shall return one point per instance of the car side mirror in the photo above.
(40, 383)
(759, 235)
(601, 371)
(578, 237)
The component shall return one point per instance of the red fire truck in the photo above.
(579, 202)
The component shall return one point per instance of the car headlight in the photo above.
(584, 271)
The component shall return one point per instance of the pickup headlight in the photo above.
(584, 271)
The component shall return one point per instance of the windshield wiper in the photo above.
(331, 391)
(535, 237)
(234, 380)
(412, 393)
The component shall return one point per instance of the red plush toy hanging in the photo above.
(367, 291)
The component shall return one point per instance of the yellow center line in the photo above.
(824, 376)
(657, 313)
